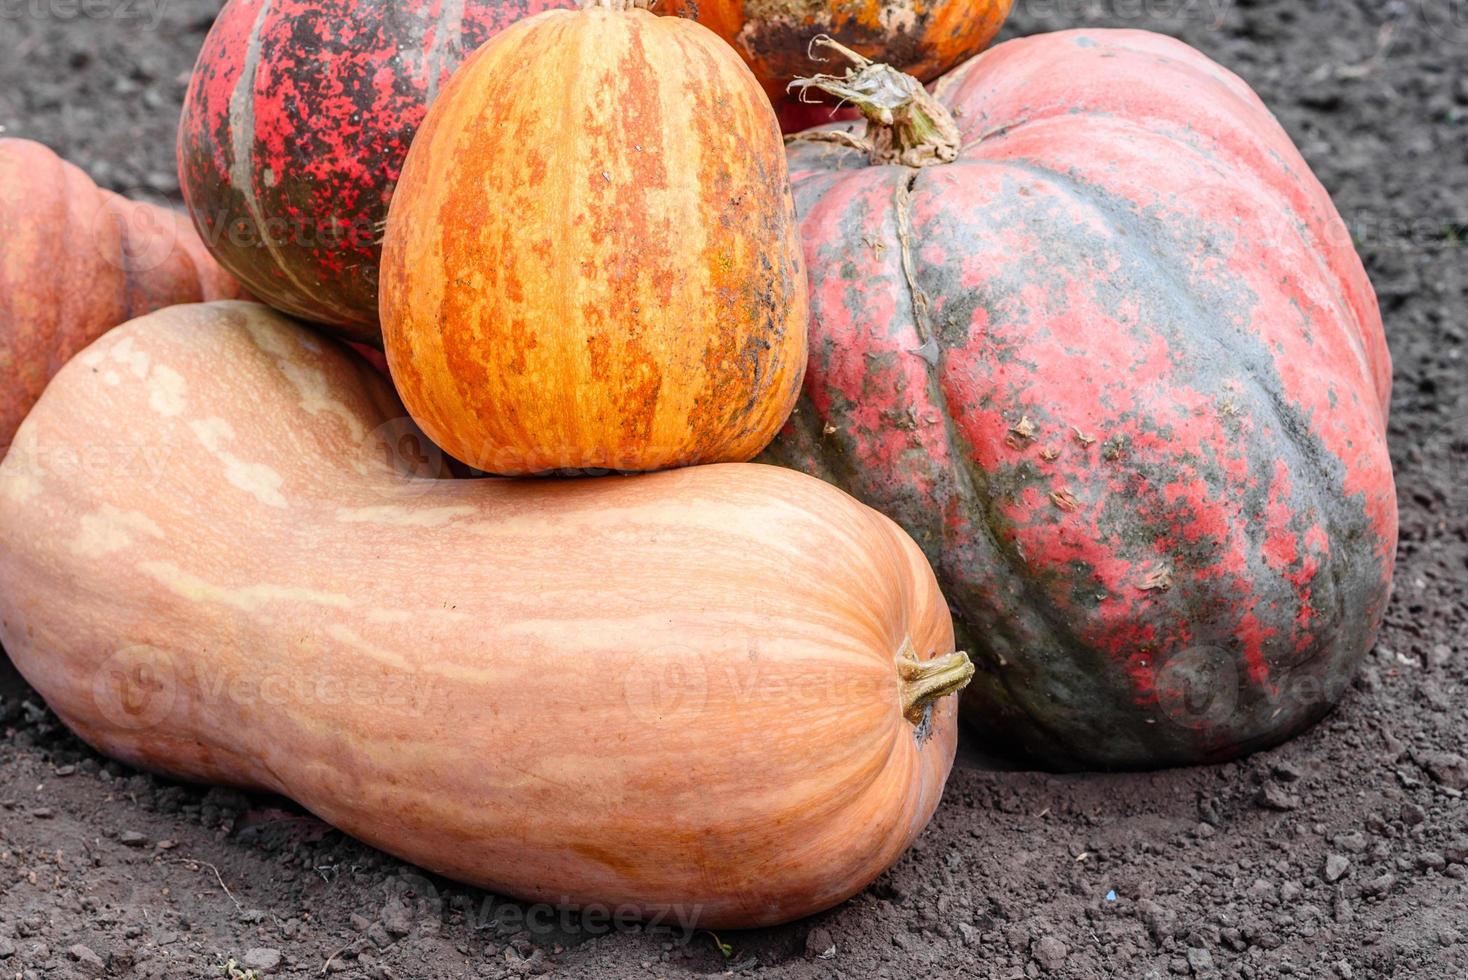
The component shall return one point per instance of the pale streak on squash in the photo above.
(494, 696)
(590, 258)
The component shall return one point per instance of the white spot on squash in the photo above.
(166, 389)
(110, 530)
(389, 516)
(258, 480)
(247, 598)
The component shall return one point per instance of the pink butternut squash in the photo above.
(716, 691)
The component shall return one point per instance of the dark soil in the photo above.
(1341, 854)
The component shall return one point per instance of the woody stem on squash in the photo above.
(926, 681)
(906, 125)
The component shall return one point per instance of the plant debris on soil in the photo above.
(1342, 854)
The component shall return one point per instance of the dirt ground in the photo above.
(1341, 854)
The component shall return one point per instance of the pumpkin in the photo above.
(1087, 326)
(921, 37)
(603, 272)
(78, 260)
(717, 690)
(294, 129)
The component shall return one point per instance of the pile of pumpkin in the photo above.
(1077, 317)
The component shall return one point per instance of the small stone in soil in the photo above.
(1275, 797)
(819, 945)
(1286, 772)
(395, 919)
(1378, 886)
(1431, 861)
(1200, 961)
(1447, 768)
(131, 838)
(86, 956)
(1050, 953)
(1412, 814)
(1336, 867)
(261, 958)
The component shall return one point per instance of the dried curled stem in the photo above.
(906, 125)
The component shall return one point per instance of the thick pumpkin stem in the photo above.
(905, 124)
(925, 681)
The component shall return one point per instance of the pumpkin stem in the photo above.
(906, 125)
(925, 681)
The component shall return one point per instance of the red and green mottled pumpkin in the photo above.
(294, 130)
(1099, 340)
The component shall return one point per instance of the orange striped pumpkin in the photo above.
(591, 258)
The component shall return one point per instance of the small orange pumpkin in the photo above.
(920, 37)
(591, 258)
(76, 261)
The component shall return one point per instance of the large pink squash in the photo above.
(1098, 339)
(294, 129)
(75, 261)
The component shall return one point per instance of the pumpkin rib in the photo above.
(1183, 131)
(1114, 215)
(1314, 246)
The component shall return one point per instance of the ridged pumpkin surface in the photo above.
(1120, 371)
(294, 130)
(592, 257)
(77, 260)
(679, 689)
(921, 37)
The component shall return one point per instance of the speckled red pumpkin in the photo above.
(294, 130)
(1107, 352)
